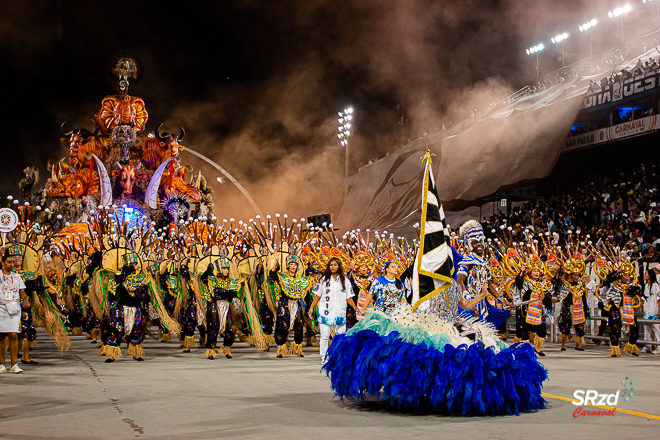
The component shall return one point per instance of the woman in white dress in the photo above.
(11, 293)
(332, 292)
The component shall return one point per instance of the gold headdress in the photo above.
(574, 264)
(320, 258)
(521, 256)
(16, 250)
(388, 258)
(364, 258)
(222, 263)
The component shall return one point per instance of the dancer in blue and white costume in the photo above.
(473, 277)
(436, 358)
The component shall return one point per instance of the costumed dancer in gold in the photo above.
(531, 290)
(291, 288)
(221, 290)
(572, 293)
(362, 278)
(620, 293)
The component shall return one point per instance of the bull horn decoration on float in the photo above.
(120, 166)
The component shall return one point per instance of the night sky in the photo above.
(257, 84)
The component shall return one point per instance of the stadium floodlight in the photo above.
(619, 12)
(588, 25)
(535, 50)
(560, 38)
(344, 129)
(585, 27)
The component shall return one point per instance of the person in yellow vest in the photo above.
(574, 308)
(619, 292)
(530, 290)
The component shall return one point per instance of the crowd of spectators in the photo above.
(622, 209)
(642, 68)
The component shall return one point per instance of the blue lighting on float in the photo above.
(131, 215)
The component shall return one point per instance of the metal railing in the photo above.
(553, 330)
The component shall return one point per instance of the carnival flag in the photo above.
(433, 264)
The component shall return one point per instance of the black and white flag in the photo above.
(433, 264)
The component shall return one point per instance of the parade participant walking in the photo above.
(11, 293)
(222, 290)
(651, 306)
(474, 276)
(28, 331)
(189, 308)
(574, 308)
(292, 290)
(362, 278)
(529, 294)
(263, 301)
(386, 291)
(619, 291)
(332, 292)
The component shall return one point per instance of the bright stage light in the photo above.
(619, 11)
(588, 25)
(559, 38)
(340, 121)
(538, 48)
(349, 110)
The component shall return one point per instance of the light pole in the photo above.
(560, 38)
(618, 12)
(345, 130)
(585, 27)
(535, 50)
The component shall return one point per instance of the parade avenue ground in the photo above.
(75, 395)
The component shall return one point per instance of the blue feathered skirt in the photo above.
(412, 369)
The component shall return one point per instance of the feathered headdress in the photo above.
(471, 230)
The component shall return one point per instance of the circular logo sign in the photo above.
(8, 219)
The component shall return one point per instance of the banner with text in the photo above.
(632, 128)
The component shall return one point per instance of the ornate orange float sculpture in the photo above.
(119, 164)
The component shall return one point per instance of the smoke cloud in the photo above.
(257, 85)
